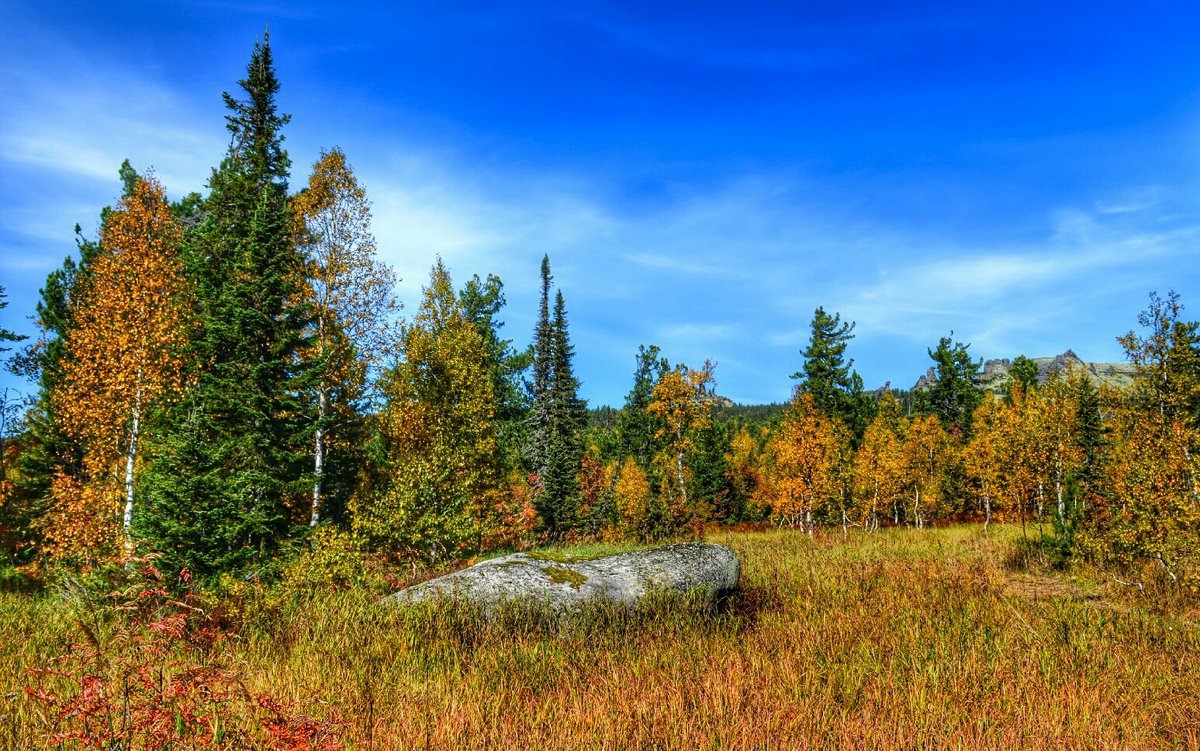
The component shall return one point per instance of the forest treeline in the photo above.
(226, 378)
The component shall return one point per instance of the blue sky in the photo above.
(703, 175)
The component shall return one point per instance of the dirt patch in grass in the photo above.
(1035, 587)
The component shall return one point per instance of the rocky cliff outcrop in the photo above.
(995, 375)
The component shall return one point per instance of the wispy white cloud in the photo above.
(734, 272)
(1139, 199)
(674, 264)
(72, 123)
(84, 130)
(704, 333)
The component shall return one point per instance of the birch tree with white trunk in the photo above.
(352, 294)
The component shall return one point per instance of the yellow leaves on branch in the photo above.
(632, 493)
(129, 322)
(927, 448)
(806, 459)
(82, 524)
(351, 291)
(1152, 510)
(439, 427)
(878, 470)
(682, 400)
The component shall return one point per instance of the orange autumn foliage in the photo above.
(124, 356)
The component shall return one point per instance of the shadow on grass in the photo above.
(463, 624)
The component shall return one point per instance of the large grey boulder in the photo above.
(702, 569)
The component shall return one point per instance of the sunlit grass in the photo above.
(901, 639)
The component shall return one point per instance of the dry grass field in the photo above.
(909, 639)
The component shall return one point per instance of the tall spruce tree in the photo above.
(710, 480)
(1023, 371)
(540, 417)
(218, 494)
(560, 488)
(557, 418)
(836, 388)
(1090, 438)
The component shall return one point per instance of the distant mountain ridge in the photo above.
(996, 376)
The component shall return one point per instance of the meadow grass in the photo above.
(921, 639)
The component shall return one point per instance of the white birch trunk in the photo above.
(679, 473)
(875, 507)
(319, 458)
(130, 462)
(1062, 507)
(987, 508)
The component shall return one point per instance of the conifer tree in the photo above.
(218, 494)
(1023, 371)
(482, 300)
(540, 414)
(1090, 439)
(557, 417)
(836, 388)
(954, 394)
(560, 487)
(636, 427)
(710, 472)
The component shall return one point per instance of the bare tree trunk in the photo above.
(1041, 508)
(679, 473)
(319, 458)
(987, 509)
(875, 507)
(130, 461)
(1058, 490)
